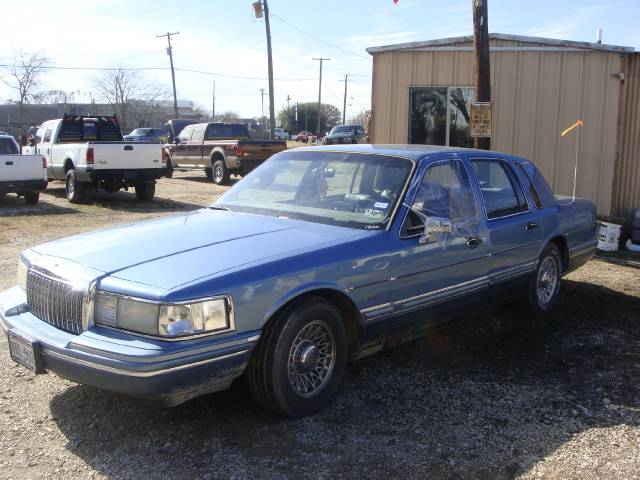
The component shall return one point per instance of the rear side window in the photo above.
(532, 188)
(226, 131)
(501, 191)
(7, 146)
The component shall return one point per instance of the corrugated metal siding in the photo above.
(536, 94)
(626, 186)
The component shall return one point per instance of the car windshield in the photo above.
(344, 189)
(343, 129)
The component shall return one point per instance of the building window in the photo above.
(440, 115)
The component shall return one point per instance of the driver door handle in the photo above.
(531, 226)
(474, 242)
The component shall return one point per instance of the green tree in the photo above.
(308, 117)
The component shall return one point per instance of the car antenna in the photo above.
(575, 126)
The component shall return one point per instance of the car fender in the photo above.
(303, 289)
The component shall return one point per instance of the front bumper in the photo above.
(165, 373)
(22, 186)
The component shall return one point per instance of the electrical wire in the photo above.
(316, 38)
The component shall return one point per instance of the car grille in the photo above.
(55, 302)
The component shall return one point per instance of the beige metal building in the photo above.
(421, 93)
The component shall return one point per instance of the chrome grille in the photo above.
(55, 302)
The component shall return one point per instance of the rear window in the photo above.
(228, 131)
(7, 146)
(86, 129)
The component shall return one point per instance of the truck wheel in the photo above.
(208, 172)
(169, 168)
(73, 188)
(145, 191)
(32, 198)
(542, 290)
(220, 173)
(298, 365)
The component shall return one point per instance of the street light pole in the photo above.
(319, 96)
(213, 103)
(173, 73)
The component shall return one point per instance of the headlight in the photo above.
(163, 320)
(23, 270)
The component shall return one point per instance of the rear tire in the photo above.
(32, 198)
(220, 173)
(145, 191)
(542, 290)
(74, 189)
(298, 365)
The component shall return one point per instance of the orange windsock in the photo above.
(575, 125)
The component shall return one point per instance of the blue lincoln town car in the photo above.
(320, 255)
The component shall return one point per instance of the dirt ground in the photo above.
(492, 395)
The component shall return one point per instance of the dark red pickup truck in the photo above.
(220, 149)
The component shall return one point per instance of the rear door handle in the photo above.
(531, 226)
(128, 147)
(474, 242)
(8, 163)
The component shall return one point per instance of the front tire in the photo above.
(542, 290)
(32, 198)
(208, 172)
(169, 168)
(74, 189)
(220, 173)
(145, 191)
(298, 365)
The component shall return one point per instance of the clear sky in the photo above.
(222, 37)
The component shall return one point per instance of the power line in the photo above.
(319, 39)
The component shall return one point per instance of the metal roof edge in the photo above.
(502, 36)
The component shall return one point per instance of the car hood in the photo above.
(172, 251)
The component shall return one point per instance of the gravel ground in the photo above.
(490, 396)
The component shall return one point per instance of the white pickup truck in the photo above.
(25, 175)
(90, 152)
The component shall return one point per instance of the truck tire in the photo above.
(220, 173)
(169, 168)
(32, 198)
(145, 191)
(541, 293)
(298, 364)
(74, 189)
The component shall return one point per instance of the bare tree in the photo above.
(359, 118)
(135, 101)
(24, 75)
(50, 97)
(229, 116)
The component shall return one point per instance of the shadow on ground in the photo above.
(12, 206)
(126, 201)
(204, 179)
(481, 397)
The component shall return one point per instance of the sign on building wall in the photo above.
(480, 121)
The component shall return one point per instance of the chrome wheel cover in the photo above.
(70, 187)
(312, 357)
(547, 282)
(218, 173)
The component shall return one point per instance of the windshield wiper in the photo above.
(219, 207)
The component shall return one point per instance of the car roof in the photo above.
(414, 152)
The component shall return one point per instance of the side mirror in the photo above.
(176, 140)
(32, 142)
(432, 225)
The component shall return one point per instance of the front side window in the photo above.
(342, 189)
(185, 134)
(47, 135)
(440, 116)
(500, 188)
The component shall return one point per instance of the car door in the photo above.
(194, 146)
(445, 269)
(179, 149)
(515, 228)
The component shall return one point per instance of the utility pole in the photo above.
(213, 103)
(272, 112)
(262, 100)
(319, 96)
(173, 73)
(482, 66)
(344, 108)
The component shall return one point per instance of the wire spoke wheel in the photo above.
(311, 358)
(547, 280)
